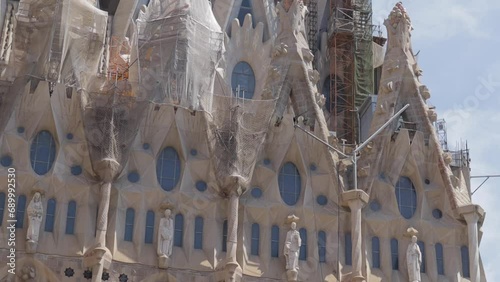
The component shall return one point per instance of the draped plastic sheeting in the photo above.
(236, 133)
(84, 29)
(64, 40)
(111, 123)
(180, 46)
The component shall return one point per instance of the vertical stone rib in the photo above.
(472, 220)
(356, 236)
(232, 227)
(102, 221)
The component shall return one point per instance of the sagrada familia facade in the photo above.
(190, 140)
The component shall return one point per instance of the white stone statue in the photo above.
(165, 235)
(413, 260)
(35, 213)
(292, 248)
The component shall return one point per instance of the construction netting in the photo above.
(60, 41)
(363, 53)
(180, 45)
(111, 123)
(236, 132)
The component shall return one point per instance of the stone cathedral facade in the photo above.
(185, 140)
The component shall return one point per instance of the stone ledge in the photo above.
(351, 195)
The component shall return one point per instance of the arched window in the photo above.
(198, 233)
(71, 218)
(50, 215)
(422, 250)
(289, 183)
(406, 197)
(246, 8)
(375, 252)
(129, 225)
(2, 206)
(440, 258)
(464, 251)
(255, 239)
(394, 254)
(178, 230)
(42, 152)
(150, 227)
(322, 246)
(275, 241)
(348, 249)
(168, 169)
(21, 208)
(243, 80)
(224, 236)
(303, 246)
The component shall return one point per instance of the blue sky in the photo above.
(459, 49)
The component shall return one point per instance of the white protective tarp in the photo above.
(179, 46)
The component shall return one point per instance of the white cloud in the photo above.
(439, 20)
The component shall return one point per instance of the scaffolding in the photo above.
(351, 63)
(441, 133)
(312, 25)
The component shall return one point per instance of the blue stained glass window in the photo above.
(133, 177)
(256, 192)
(71, 218)
(246, 8)
(375, 205)
(322, 200)
(198, 233)
(394, 254)
(375, 252)
(42, 152)
(2, 206)
(322, 246)
(303, 246)
(129, 224)
(437, 213)
(255, 239)
(76, 170)
(150, 227)
(224, 236)
(6, 161)
(275, 241)
(289, 183)
(406, 197)
(21, 209)
(348, 249)
(168, 168)
(201, 186)
(243, 80)
(422, 250)
(440, 258)
(464, 251)
(178, 230)
(50, 215)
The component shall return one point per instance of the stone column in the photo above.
(356, 199)
(102, 219)
(472, 215)
(99, 257)
(233, 269)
